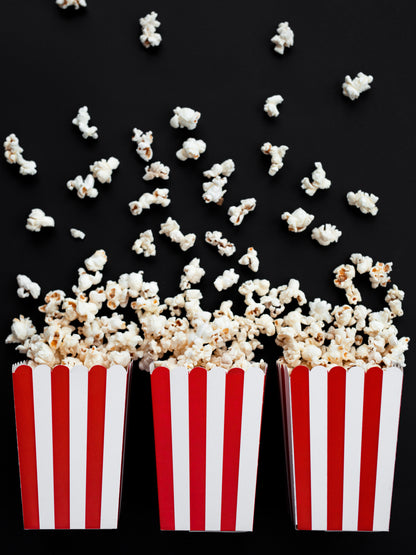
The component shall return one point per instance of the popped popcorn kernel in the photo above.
(156, 170)
(172, 230)
(250, 259)
(284, 37)
(326, 234)
(354, 87)
(83, 187)
(144, 244)
(216, 239)
(298, 220)
(379, 274)
(365, 202)
(81, 121)
(13, 153)
(185, 117)
(226, 280)
(37, 219)
(192, 274)
(27, 287)
(270, 105)
(362, 263)
(77, 233)
(191, 148)
(159, 196)
(144, 142)
(319, 180)
(149, 36)
(103, 169)
(277, 154)
(73, 3)
(237, 213)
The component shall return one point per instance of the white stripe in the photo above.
(180, 446)
(42, 399)
(115, 402)
(214, 447)
(387, 442)
(291, 459)
(354, 396)
(249, 447)
(78, 402)
(318, 411)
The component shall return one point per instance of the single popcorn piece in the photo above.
(191, 148)
(237, 213)
(103, 169)
(13, 154)
(277, 154)
(74, 3)
(214, 190)
(344, 275)
(326, 234)
(144, 142)
(284, 38)
(224, 246)
(365, 202)
(156, 170)
(77, 233)
(97, 261)
(320, 310)
(185, 117)
(362, 263)
(83, 187)
(354, 87)
(298, 220)
(144, 244)
(379, 274)
(226, 168)
(149, 36)
(192, 274)
(394, 299)
(172, 230)
(226, 280)
(270, 106)
(81, 121)
(159, 196)
(38, 219)
(319, 181)
(27, 287)
(250, 259)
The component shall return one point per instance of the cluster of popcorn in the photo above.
(13, 153)
(214, 190)
(156, 170)
(149, 36)
(354, 87)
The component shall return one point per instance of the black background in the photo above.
(215, 57)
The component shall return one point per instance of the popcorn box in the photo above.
(340, 429)
(70, 435)
(207, 433)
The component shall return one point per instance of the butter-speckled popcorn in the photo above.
(81, 121)
(144, 142)
(298, 220)
(159, 196)
(277, 154)
(156, 170)
(71, 3)
(250, 259)
(237, 213)
(284, 37)
(185, 117)
(379, 274)
(13, 153)
(354, 87)
(96, 261)
(149, 36)
(38, 219)
(365, 202)
(83, 187)
(224, 246)
(191, 148)
(319, 180)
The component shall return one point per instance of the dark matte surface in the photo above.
(215, 57)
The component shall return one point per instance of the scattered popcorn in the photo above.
(83, 187)
(38, 219)
(224, 246)
(75, 3)
(192, 273)
(319, 181)
(156, 169)
(144, 244)
(326, 234)
(284, 37)
(97, 261)
(81, 121)
(379, 274)
(13, 154)
(354, 87)
(362, 263)
(277, 154)
(144, 143)
(185, 117)
(394, 299)
(250, 259)
(149, 36)
(270, 106)
(103, 169)
(365, 202)
(159, 196)
(237, 213)
(298, 220)
(214, 190)
(172, 230)
(77, 233)
(226, 280)
(191, 148)
(27, 287)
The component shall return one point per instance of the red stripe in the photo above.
(369, 446)
(60, 438)
(160, 383)
(95, 443)
(336, 429)
(25, 430)
(299, 389)
(197, 446)
(234, 384)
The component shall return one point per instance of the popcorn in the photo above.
(320, 310)
(27, 287)
(298, 220)
(326, 234)
(319, 181)
(365, 202)
(159, 196)
(277, 154)
(96, 261)
(13, 154)
(394, 299)
(81, 121)
(144, 244)
(379, 274)
(191, 148)
(362, 263)
(144, 142)
(354, 87)
(38, 219)
(83, 187)
(149, 36)
(185, 117)
(250, 259)
(284, 37)
(22, 330)
(103, 169)
(270, 106)
(226, 280)
(224, 246)
(156, 169)
(344, 275)
(77, 233)
(192, 274)
(214, 190)
(226, 168)
(172, 230)
(237, 213)
(75, 3)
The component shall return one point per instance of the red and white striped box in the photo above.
(70, 434)
(341, 431)
(207, 432)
